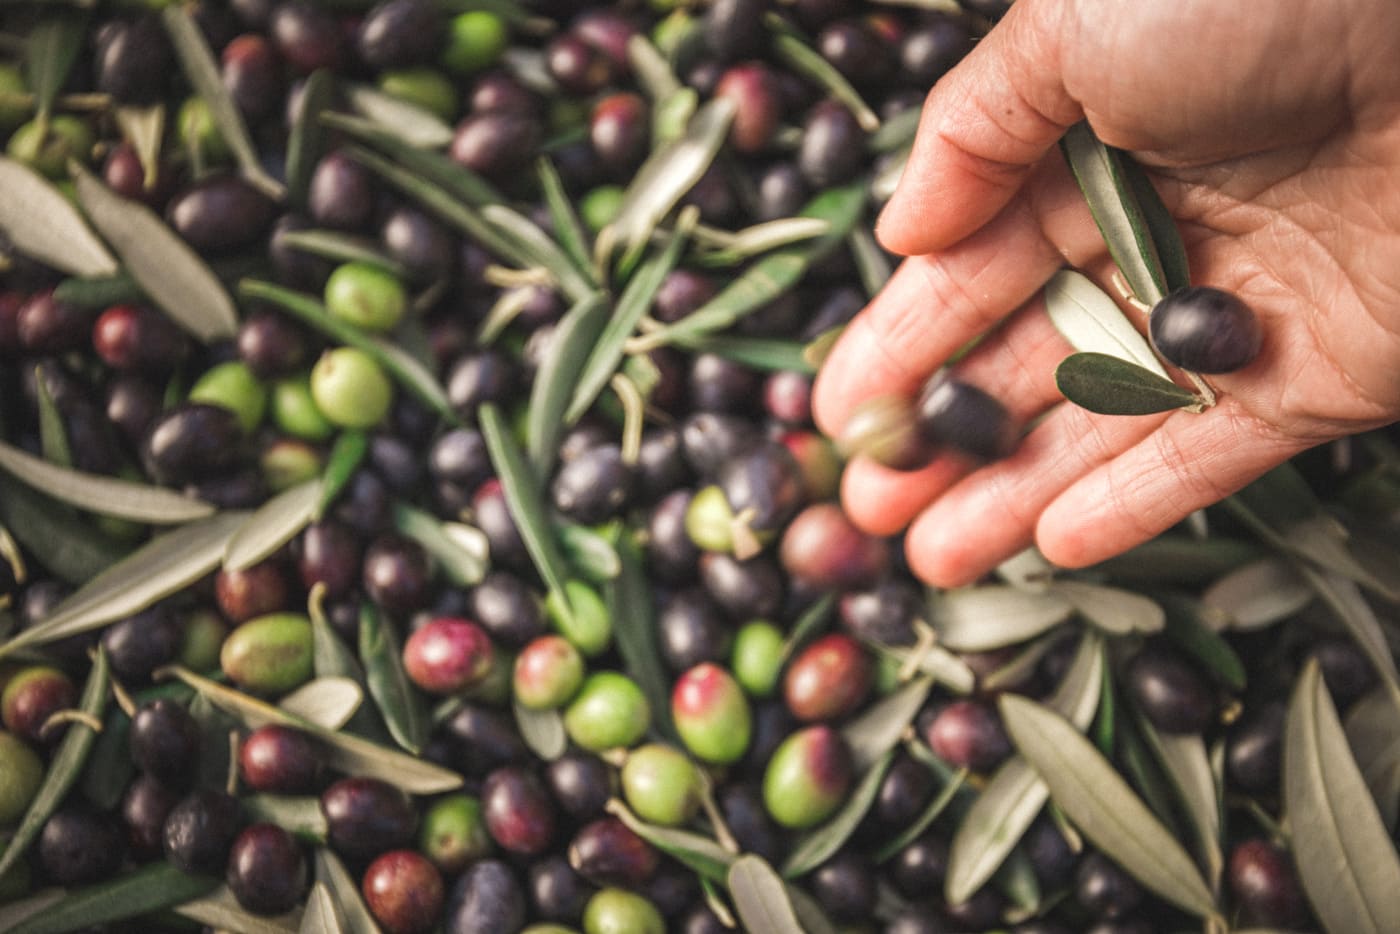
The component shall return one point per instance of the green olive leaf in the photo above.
(539, 251)
(1091, 321)
(1188, 629)
(322, 914)
(592, 553)
(760, 898)
(813, 621)
(975, 619)
(1112, 609)
(221, 911)
(567, 228)
(328, 702)
(459, 549)
(1373, 732)
(628, 597)
(818, 844)
(399, 702)
(417, 127)
(50, 51)
(879, 727)
(565, 359)
(701, 854)
(760, 353)
(1186, 765)
(1175, 558)
(1114, 203)
(203, 74)
(340, 247)
(109, 767)
(722, 248)
(812, 65)
(331, 873)
(872, 263)
(451, 179)
(1110, 386)
(896, 132)
(398, 363)
(44, 225)
(307, 139)
(166, 564)
(542, 730)
(272, 525)
(1346, 860)
(343, 751)
(1161, 226)
(935, 808)
(298, 815)
(1015, 794)
(65, 767)
(151, 888)
(345, 457)
(12, 913)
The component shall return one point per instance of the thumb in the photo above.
(984, 126)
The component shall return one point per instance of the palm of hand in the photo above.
(1305, 227)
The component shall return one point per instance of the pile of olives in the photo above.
(707, 666)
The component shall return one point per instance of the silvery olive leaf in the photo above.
(411, 123)
(760, 898)
(875, 731)
(1346, 601)
(1090, 320)
(221, 911)
(1345, 858)
(1373, 732)
(44, 225)
(331, 873)
(975, 619)
(328, 702)
(149, 890)
(1027, 569)
(1115, 611)
(542, 730)
(1187, 766)
(1256, 595)
(274, 524)
(322, 915)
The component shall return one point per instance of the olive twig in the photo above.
(707, 802)
(123, 699)
(58, 718)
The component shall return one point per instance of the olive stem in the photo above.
(60, 717)
(927, 639)
(1206, 393)
(508, 278)
(707, 802)
(231, 779)
(633, 416)
(123, 699)
(9, 550)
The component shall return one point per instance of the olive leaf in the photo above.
(50, 51)
(101, 494)
(1344, 598)
(109, 768)
(1179, 559)
(818, 844)
(44, 225)
(592, 553)
(299, 815)
(322, 914)
(1346, 860)
(272, 525)
(652, 71)
(628, 597)
(306, 138)
(1015, 794)
(1161, 226)
(879, 727)
(668, 174)
(872, 264)
(459, 549)
(153, 887)
(12, 913)
(760, 898)
(400, 704)
(202, 72)
(975, 619)
(567, 355)
(538, 251)
(416, 126)
(1373, 732)
(65, 767)
(812, 65)
(1188, 629)
(723, 248)
(542, 731)
(343, 752)
(340, 247)
(331, 873)
(1256, 595)
(402, 366)
(1115, 611)
(813, 620)
(567, 228)
(1187, 767)
(636, 299)
(1102, 806)
(1113, 201)
(701, 854)
(1110, 386)
(166, 564)
(447, 178)
(101, 292)
(759, 353)
(1091, 321)
(221, 911)
(53, 436)
(896, 132)
(346, 455)
(144, 129)
(167, 269)
(934, 809)
(328, 701)
(66, 545)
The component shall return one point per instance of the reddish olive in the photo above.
(519, 814)
(448, 655)
(711, 714)
(827, 679)
(807, 777)
(281, 760)
(366, 816)
(404, 892)
(32, 696)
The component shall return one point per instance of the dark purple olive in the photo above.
(714, 196)
(1049, 853)
(823, 548)
(266, 870)
(920, 867)
(133, 60)
(701, 920)
(281, 760)
(507, 609)
(608, 31)
(734, 29)
(518, 811)
(399, 33)
(918, 919)
(606, 852)
(397, 574)
(1255, 748)
(220, 213)
(981, 910)
(969, 734)
(745, 589)
(488, 899)
(741, 805)
(557, 893)
(757, 98)
(857, 51)
(595, 486)
(200, 830)
(495, 144)
(718, 384)
(404, 892)
(787, 397)
(763, 486)
(581, 782)
(833, 146)
(1206, 330)
(292, 266)
(192, 442)
(709, 439)
(845, 886)
(1346, 670)
(364, 504)
(164, 742)
(931, 49)
(579, 67)
(252, 591)
(953, 414)
(139, 644)
(484, 376)
(1265, 885)
(242, 489)
(309, 37)
(904, 791)
(144, 809)
(329, 555)
(45, 325)
(134, 337)
(1105, 890)
(485, 739)
(459, 456)
(396, 462)
(691, 628)
(252, 74)
(77, 847)
(420, 243)
(1170, 692)
(619, 130)
(33, 695)
(366, 817)
(501, 92)
(341, 193)
(781, 191)
(494, 518)
(681, 292)
(885, 613)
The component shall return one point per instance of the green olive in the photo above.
(757, 659)
(351, 389)
(617, 911)
(609, 711)
(12, 111)
(294, 411)
(270, 654)
(48, 153)
(366, 295)
(198, 131)
(661, 784)
(474, 41)
(233, 386)
(453, 834)
(21, 773)
(423, 87)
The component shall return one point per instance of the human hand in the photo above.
(1272, 134)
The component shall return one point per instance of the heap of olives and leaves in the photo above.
(411, 517)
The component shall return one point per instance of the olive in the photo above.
(579, 67)
(661, 784)
(1049, 853)
(827, 679)
(1206, 330)
(714, 197)
(818, 462)
(252, 74)
(885, 613)
(619, 130)
(928, 51)
(733, 29)
(741, 806)
(447, 655)
(494, 143)
(404, 892)
(252, 591)
(701, 920)
(807, 777)
(454, 834)
(293, 266)
(200, 830)
(609, 31)
(548, 672)
(594, 486)
(48, 152)
(710, 438)
(1265, 885)
(21, 773)
(486, 376)
(487, 899)
(904, 791)
(269, 654)
(1254, 751)
(759, 652)
(134, 337)
(281, 760)
(1170, 692)
(46, 325)
(845, 886)
(757, 98)
(507, 609)
(711, 714)
(366, 816)
(341, 194)
(1104, 889)
(518, 811)
(918, 919)
(133, 405)
(266, 870)
(781, 191)
(920, 867)
(330, 556)
(763, 486)
(366, 296)
(397, 33)
(608, 711)
(969, 734)
(350, 388)
(606, 852)
(957, 415)
(671, 554)
(459, 456)
(32, 696)
(832, 145)
(133, 60)
(745, 589)
(884, 429)
(581, 783)
(787, 397)
(857, 51)
(1346, 670)
(682, 292)
(364, 504)
(981, 910)
(418, 242)
(823, 548)
(77, 847)
(556, 891)
(618, 911)
(660, 466)
(692, 629)
(475, 40)
(307, 36)
(145, 806)
(164, 742)
(220, 213)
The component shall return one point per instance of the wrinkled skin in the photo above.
(1273, 137)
